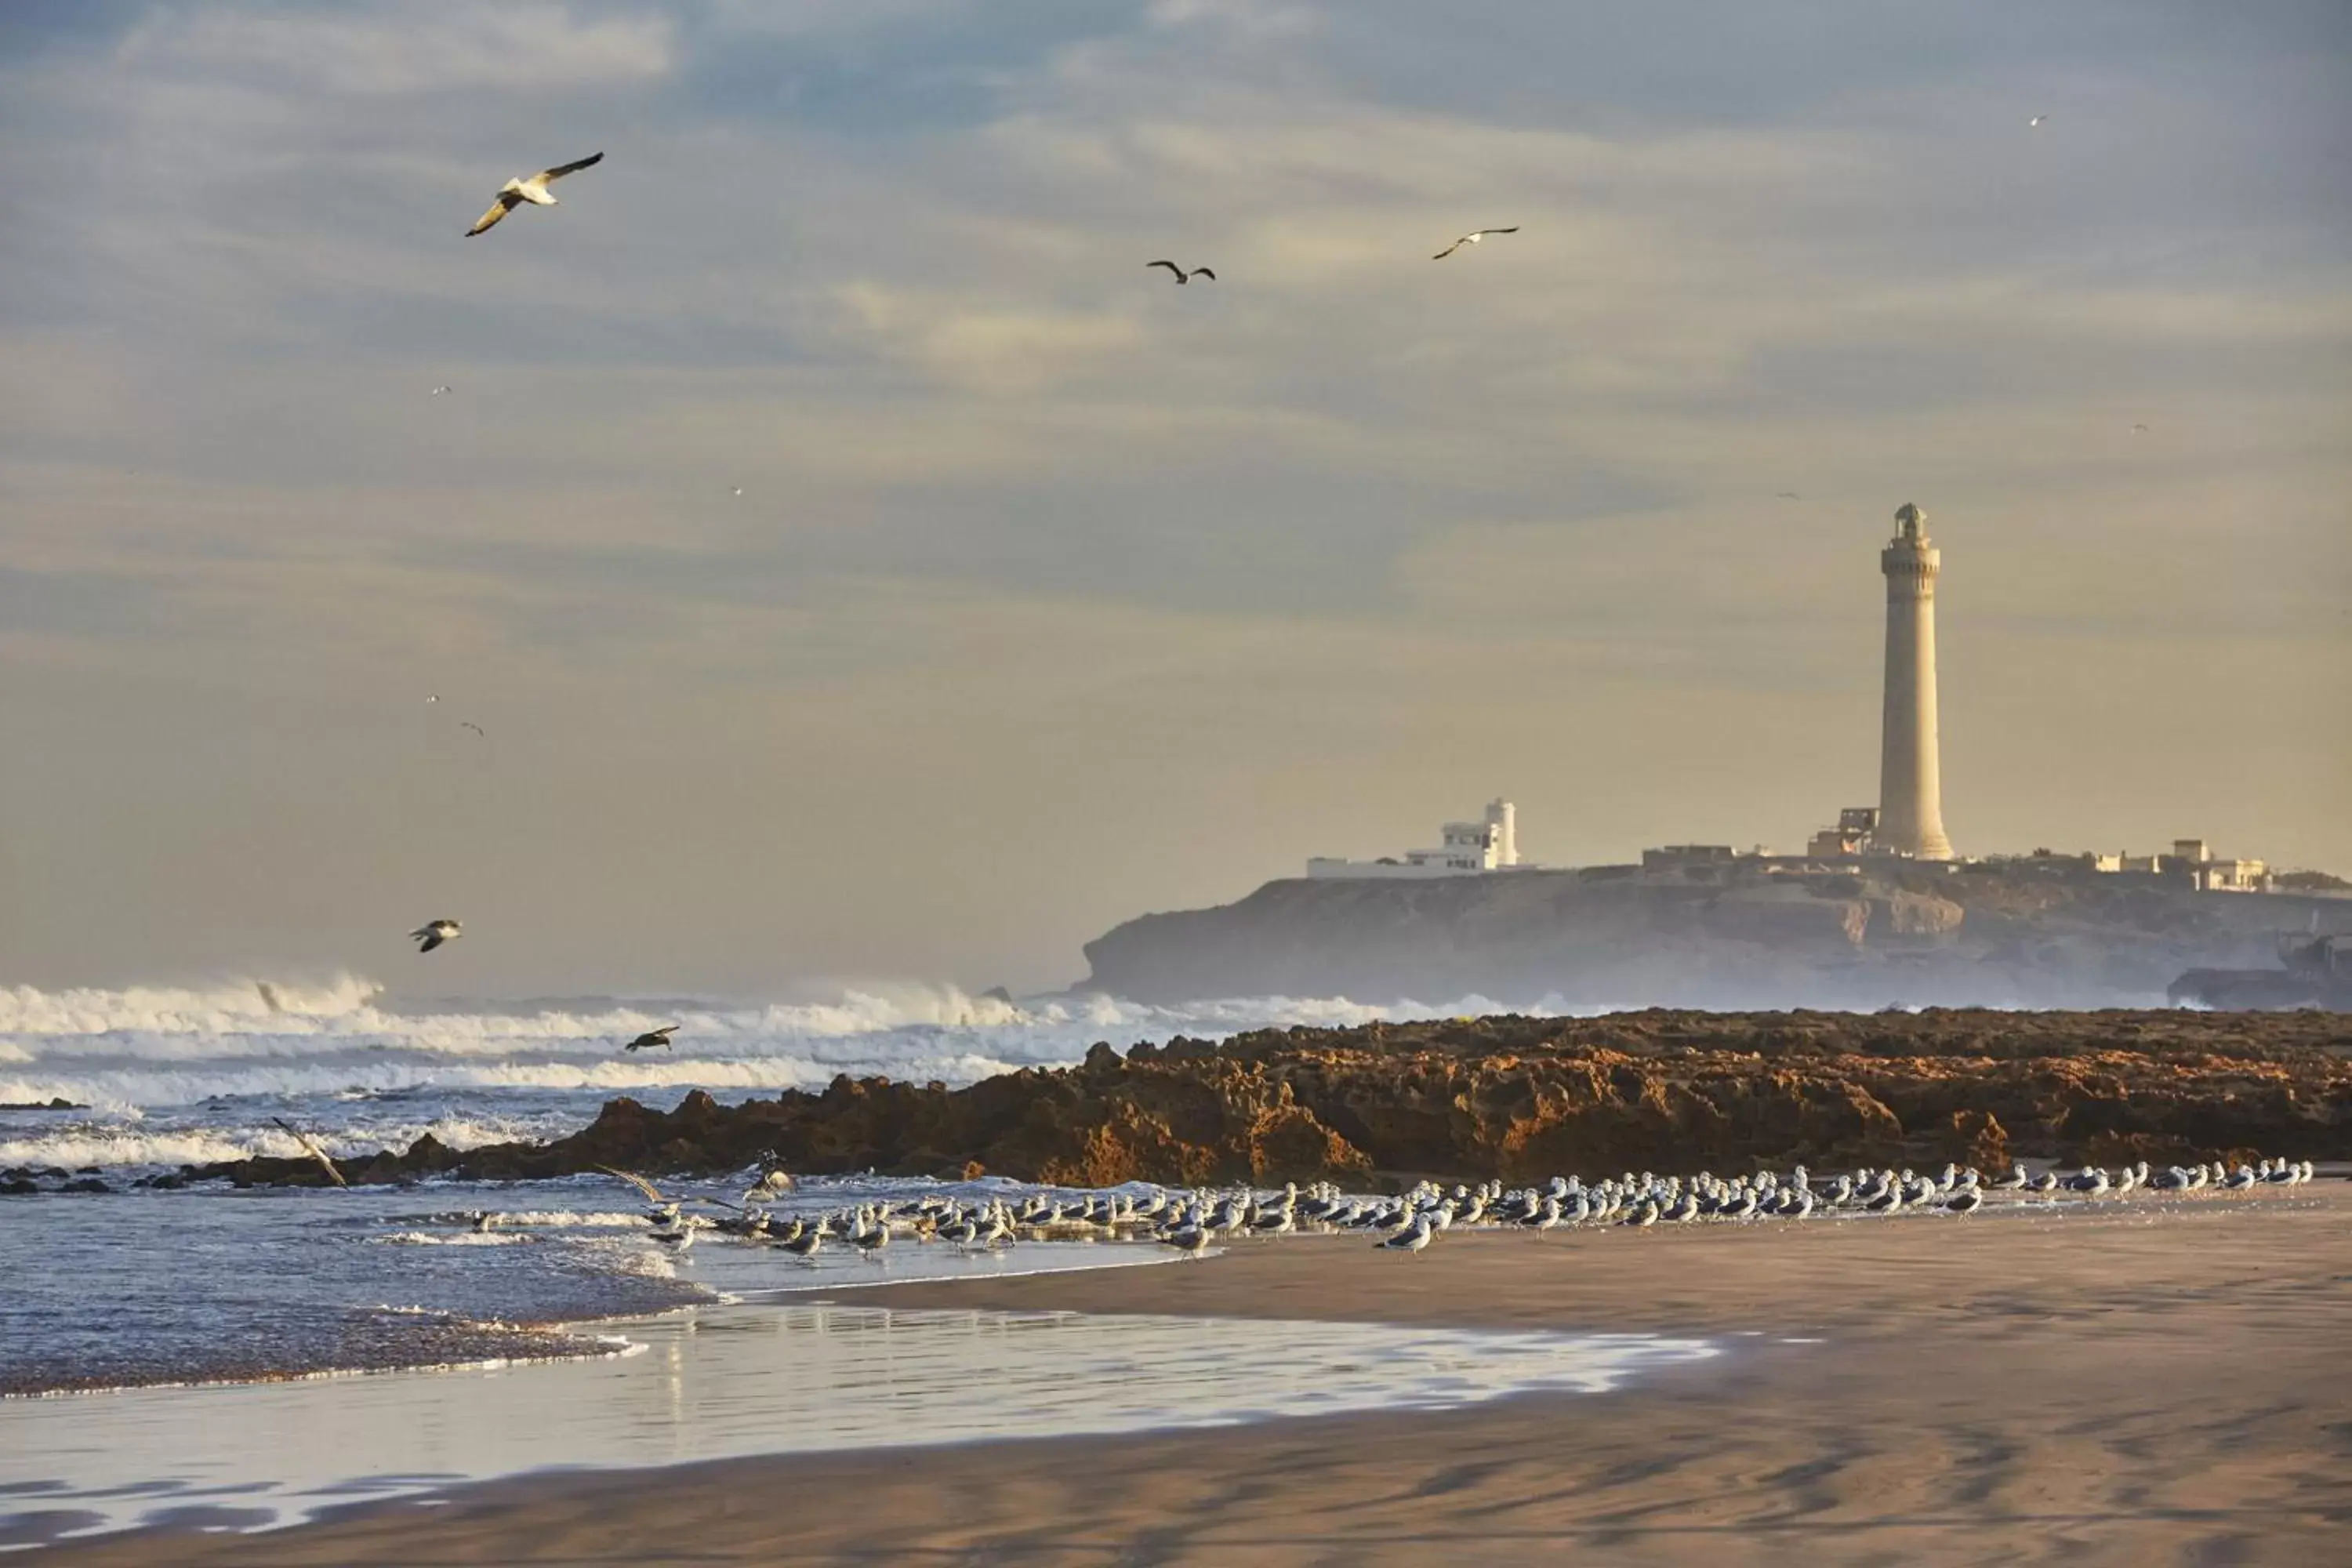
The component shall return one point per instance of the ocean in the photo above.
(137, 1285)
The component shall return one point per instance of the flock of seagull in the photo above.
(1190, 1220)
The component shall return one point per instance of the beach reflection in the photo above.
(745, 1379)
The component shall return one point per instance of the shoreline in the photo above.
(593, 1348)
(2009, 1388)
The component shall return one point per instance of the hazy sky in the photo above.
(1056, 593)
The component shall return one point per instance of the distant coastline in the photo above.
(1731, 933)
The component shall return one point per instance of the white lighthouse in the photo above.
(1910, 789)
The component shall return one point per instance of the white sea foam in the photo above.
(232, 1005)
(196, 1075)
(74, 1149)
(266, 1018)
(637, 1260)
(79, 1143)
(452, 1239)
(127, 1050)
(165, 1019)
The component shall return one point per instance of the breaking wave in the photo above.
(83, 1142)
(229, 1007)
(166, 1076)
(146, 1047)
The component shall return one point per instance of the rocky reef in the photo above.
(1514, 1097)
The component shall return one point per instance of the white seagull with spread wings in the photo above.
(1471, 240)
(532, 190)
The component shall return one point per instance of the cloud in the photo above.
(990, 351)
(1035, 547)
(518, 47)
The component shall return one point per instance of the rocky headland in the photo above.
(1734, 934)
(1514, 1097)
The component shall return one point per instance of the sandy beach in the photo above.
(2140, 1383)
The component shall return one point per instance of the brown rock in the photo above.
(1522, 1099)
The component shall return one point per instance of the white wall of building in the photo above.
(1465, 849)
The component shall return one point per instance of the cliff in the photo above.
(1519, 1097)
(1903, 934)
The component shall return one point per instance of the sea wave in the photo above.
(204, 1020)
(80, 1144)
(201, 1075)
(274, 1018)
(129, 1050)
(227, 1006)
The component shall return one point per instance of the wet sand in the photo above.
(2133, 1382)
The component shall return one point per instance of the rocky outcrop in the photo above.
(1517, 1098)
(1714, 934)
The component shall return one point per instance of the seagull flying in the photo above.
(311, 1147)
(439, 390)
(514, 193)
(2035, 123)
(434, 697)
(477, 729)
(2139, 429)
(652, 1037)
(430, 936)
(1183, 276)
(1789, 495)
(1471, 240)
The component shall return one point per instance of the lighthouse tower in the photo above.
(1910, 791)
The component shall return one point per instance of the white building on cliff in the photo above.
(1465, 849)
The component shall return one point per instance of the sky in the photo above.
(1056, 593)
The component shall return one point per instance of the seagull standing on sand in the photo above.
(514, 193)
(1191, 1240)
(1183, 276)
(870, 1237)
(433, 933)
(1472, 238)
(1413, 1239)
